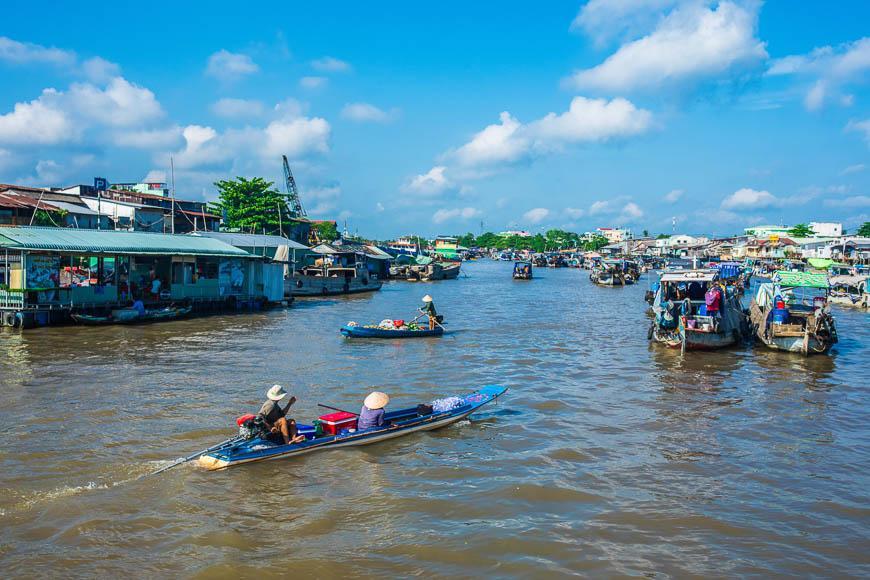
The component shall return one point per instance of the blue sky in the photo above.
(432, 119)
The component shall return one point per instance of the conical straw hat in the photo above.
(376, 400)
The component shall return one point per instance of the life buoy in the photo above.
(9, 318)
(299, 283)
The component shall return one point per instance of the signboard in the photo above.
(774, 238)
(101, 183)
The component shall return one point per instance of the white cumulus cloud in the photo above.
(747, 198)
(674, 195)
(330, 64)
(829, 69)
(586, 120)
(464, 213)
(432, 182)
(312, 83)
(604, 20)
(15, 52)
(536, 215)
(862, 127)
(364, 112)
(692, 42)
(229, 66)
(238, 108)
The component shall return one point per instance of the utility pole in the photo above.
(172, 172)
(280, 221)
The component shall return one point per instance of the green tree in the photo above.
(252, 205)
(595, 243)
(801, 231)
(467, 240)
(646, 233)
(864, 230)
(326, 231)
(49, 218)
(663, 236)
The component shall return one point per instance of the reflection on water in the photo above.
(609, 455)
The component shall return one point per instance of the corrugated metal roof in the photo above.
(251, 240)
(113, 242)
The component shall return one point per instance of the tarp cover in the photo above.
(820, 263)
(800, 279)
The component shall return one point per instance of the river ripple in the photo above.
(609, 455)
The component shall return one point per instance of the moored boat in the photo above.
(131, 316)
(396, 424)
(791, 313)
(681, 319)
(849, 290)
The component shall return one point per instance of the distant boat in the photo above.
(522, 270)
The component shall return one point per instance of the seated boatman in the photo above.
(372, 413)
(276, 418)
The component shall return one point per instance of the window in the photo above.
(79, 271)
(206, 268)
(107, 271)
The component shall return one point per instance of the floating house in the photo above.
(447, 248)
(48, 273)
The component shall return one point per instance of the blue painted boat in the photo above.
(396, 424)
(366, 332)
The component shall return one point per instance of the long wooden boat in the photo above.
(368, 332)
(396, 424)
(683, 323)
(806, 325)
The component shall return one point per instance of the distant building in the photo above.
(613, 235)
(766, 231)
(518, 233)
(827, 229)
(149, 187)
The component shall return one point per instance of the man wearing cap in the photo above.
(372, 413)
(429, 310)
(276, 418)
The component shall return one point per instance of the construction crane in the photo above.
(296, 209)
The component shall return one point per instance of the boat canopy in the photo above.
(800, 279)
(820, 263)
(854, 281)
(689, 276)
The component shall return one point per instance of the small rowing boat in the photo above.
(377, 332)
(396, 424)
(131, 316)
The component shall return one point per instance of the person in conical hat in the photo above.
(372, 413)
(429, 310)
(276, 418)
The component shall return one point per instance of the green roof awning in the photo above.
(820, 263)
(800, 279)
(81, 241)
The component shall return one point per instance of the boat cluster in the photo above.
(700, 309)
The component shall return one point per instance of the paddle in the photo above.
(195, 455)
(336, 409)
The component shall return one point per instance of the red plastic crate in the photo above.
(335, 422)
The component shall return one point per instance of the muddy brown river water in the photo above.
(609, 455)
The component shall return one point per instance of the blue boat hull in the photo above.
(397, 424)
(363, 332)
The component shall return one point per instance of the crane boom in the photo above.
(296, 209)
